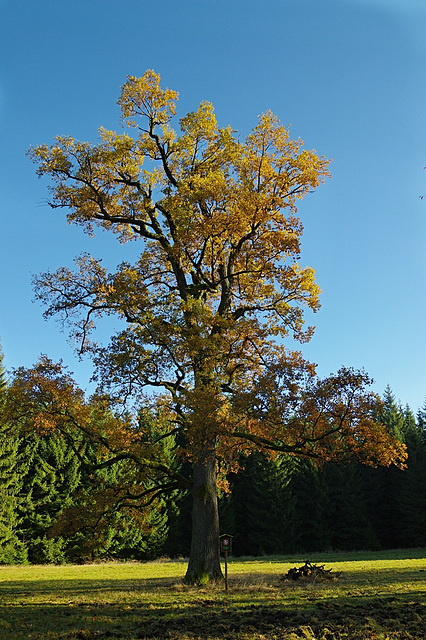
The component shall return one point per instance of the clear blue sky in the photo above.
(348, 75)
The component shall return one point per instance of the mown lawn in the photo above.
(379, 596)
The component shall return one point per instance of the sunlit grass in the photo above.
(380, 596)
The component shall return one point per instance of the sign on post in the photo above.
(225, 548)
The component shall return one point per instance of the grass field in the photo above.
(379, 596)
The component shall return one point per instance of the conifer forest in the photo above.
(59, 503)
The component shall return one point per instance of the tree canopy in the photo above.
(207, 306)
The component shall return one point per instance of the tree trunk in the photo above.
(204, 559)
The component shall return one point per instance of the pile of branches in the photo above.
(310, 572)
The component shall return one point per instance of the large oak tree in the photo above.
(208, 304)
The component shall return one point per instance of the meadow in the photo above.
(376, 596)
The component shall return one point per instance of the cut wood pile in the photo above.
(310, 572)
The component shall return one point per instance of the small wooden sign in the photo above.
(225, 543)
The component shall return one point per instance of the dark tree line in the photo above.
(287, 506)
(54, 508)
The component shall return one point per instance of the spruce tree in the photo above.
(413, 484)
(421, 421)
(347, 519)
(108, 515)
(3, 380)
(383, 485)
(50, 476)
(11, 549)
(258, 511)
(101, 523)
(309, 491)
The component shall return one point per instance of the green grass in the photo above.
(378, 596)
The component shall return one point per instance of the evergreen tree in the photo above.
(393, 415)
(309, 490)
(413, 484)
(72, 506)
(50, 475)
(109, 515)
(3, 380)
(383, 485)
(179, 507)
(11, 550)
(347, 520)
(421, 421)
(258, 511)
(100, 523)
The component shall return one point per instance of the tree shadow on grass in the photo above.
(212, 619)
(83, 587)
(77, 611)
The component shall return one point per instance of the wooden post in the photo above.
(226, 571)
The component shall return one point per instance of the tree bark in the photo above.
(204, 559)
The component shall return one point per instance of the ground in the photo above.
(376, 597)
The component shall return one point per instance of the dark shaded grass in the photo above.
(362, 618)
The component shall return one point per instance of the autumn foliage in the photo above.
(208, 305)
